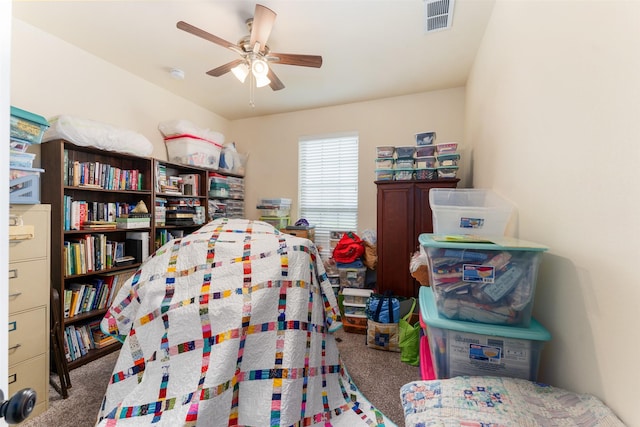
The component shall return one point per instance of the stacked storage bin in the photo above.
(235, 203)
(477, 313)
(424, 161)
(354, 296)
(26, 129)
(275, 212)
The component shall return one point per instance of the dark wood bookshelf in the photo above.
(54, 188)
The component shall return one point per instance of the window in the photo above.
(328, 185)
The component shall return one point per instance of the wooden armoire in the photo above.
(403, 213)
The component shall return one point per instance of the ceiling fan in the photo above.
(254, 51)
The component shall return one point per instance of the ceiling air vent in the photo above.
(439, 14)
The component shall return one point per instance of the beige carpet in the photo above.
(378, 374)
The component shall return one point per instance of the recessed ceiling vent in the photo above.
(438, 14)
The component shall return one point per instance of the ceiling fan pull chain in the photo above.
(251, 90)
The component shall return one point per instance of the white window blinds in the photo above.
(328, 185)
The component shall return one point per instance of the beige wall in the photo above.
(552, 115)
(272, 141)
(51, 77)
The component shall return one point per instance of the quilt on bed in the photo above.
(470, 401)
(231, 325)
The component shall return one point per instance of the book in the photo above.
(190, 184)
(143, 237)
(68, 294)
(99, 225)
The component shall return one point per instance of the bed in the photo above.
(231, 325)
(483, 401)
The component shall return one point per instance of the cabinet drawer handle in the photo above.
(13, 326)
(17, 294)
(15, 347)
(13, 273)
(13, 378)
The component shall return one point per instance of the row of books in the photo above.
(91, 252)
(81, 214)
(94, 294)
(163, 236)
(78, 340)
(100, 175)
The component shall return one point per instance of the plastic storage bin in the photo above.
(218, 189)
(357, 310)
(447, 172)
(405, 152)
(426, 174)
(26, 126)
(384, 175)
(355, 324)
(276, 203)
(446, 147)
(24, 186)
(404, 164)
(276, 221)
(463, 348)
(194, 151)
(469, 211)
(384, 163)
(426, 162)
(352, 277)
(356, 296)
(273, 211)
(21, 160)
(385, 152)
(425, 150)
(403, 174)
(448, 159)
(481, 281)
(425, 138)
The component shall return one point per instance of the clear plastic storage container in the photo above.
(483, 281)
(462, 348)
(469, 211)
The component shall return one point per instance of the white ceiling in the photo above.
(371, 49)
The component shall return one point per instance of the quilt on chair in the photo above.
(231, 325)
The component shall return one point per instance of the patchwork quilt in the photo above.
(231, 325)
(500, 402)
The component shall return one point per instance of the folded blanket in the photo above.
(500, 402)
(231, 325)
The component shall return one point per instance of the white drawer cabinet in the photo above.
(29, 291)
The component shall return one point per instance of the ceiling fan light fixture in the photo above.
(262, 81)
(259, 68)
(241, 71)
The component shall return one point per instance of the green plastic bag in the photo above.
(409, 341)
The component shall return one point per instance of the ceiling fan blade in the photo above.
(223, 69)
(314, 61)
(275, 84)
(263, 20)
(207, 36)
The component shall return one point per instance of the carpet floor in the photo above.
(378, 374)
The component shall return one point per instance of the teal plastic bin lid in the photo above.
(430, 316)
(463, 241)
(26, 115)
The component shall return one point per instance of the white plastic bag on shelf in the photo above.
(185, 127)
(90, 133)
(232, 161)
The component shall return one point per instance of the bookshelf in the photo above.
(180, 200)
(88, 189)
